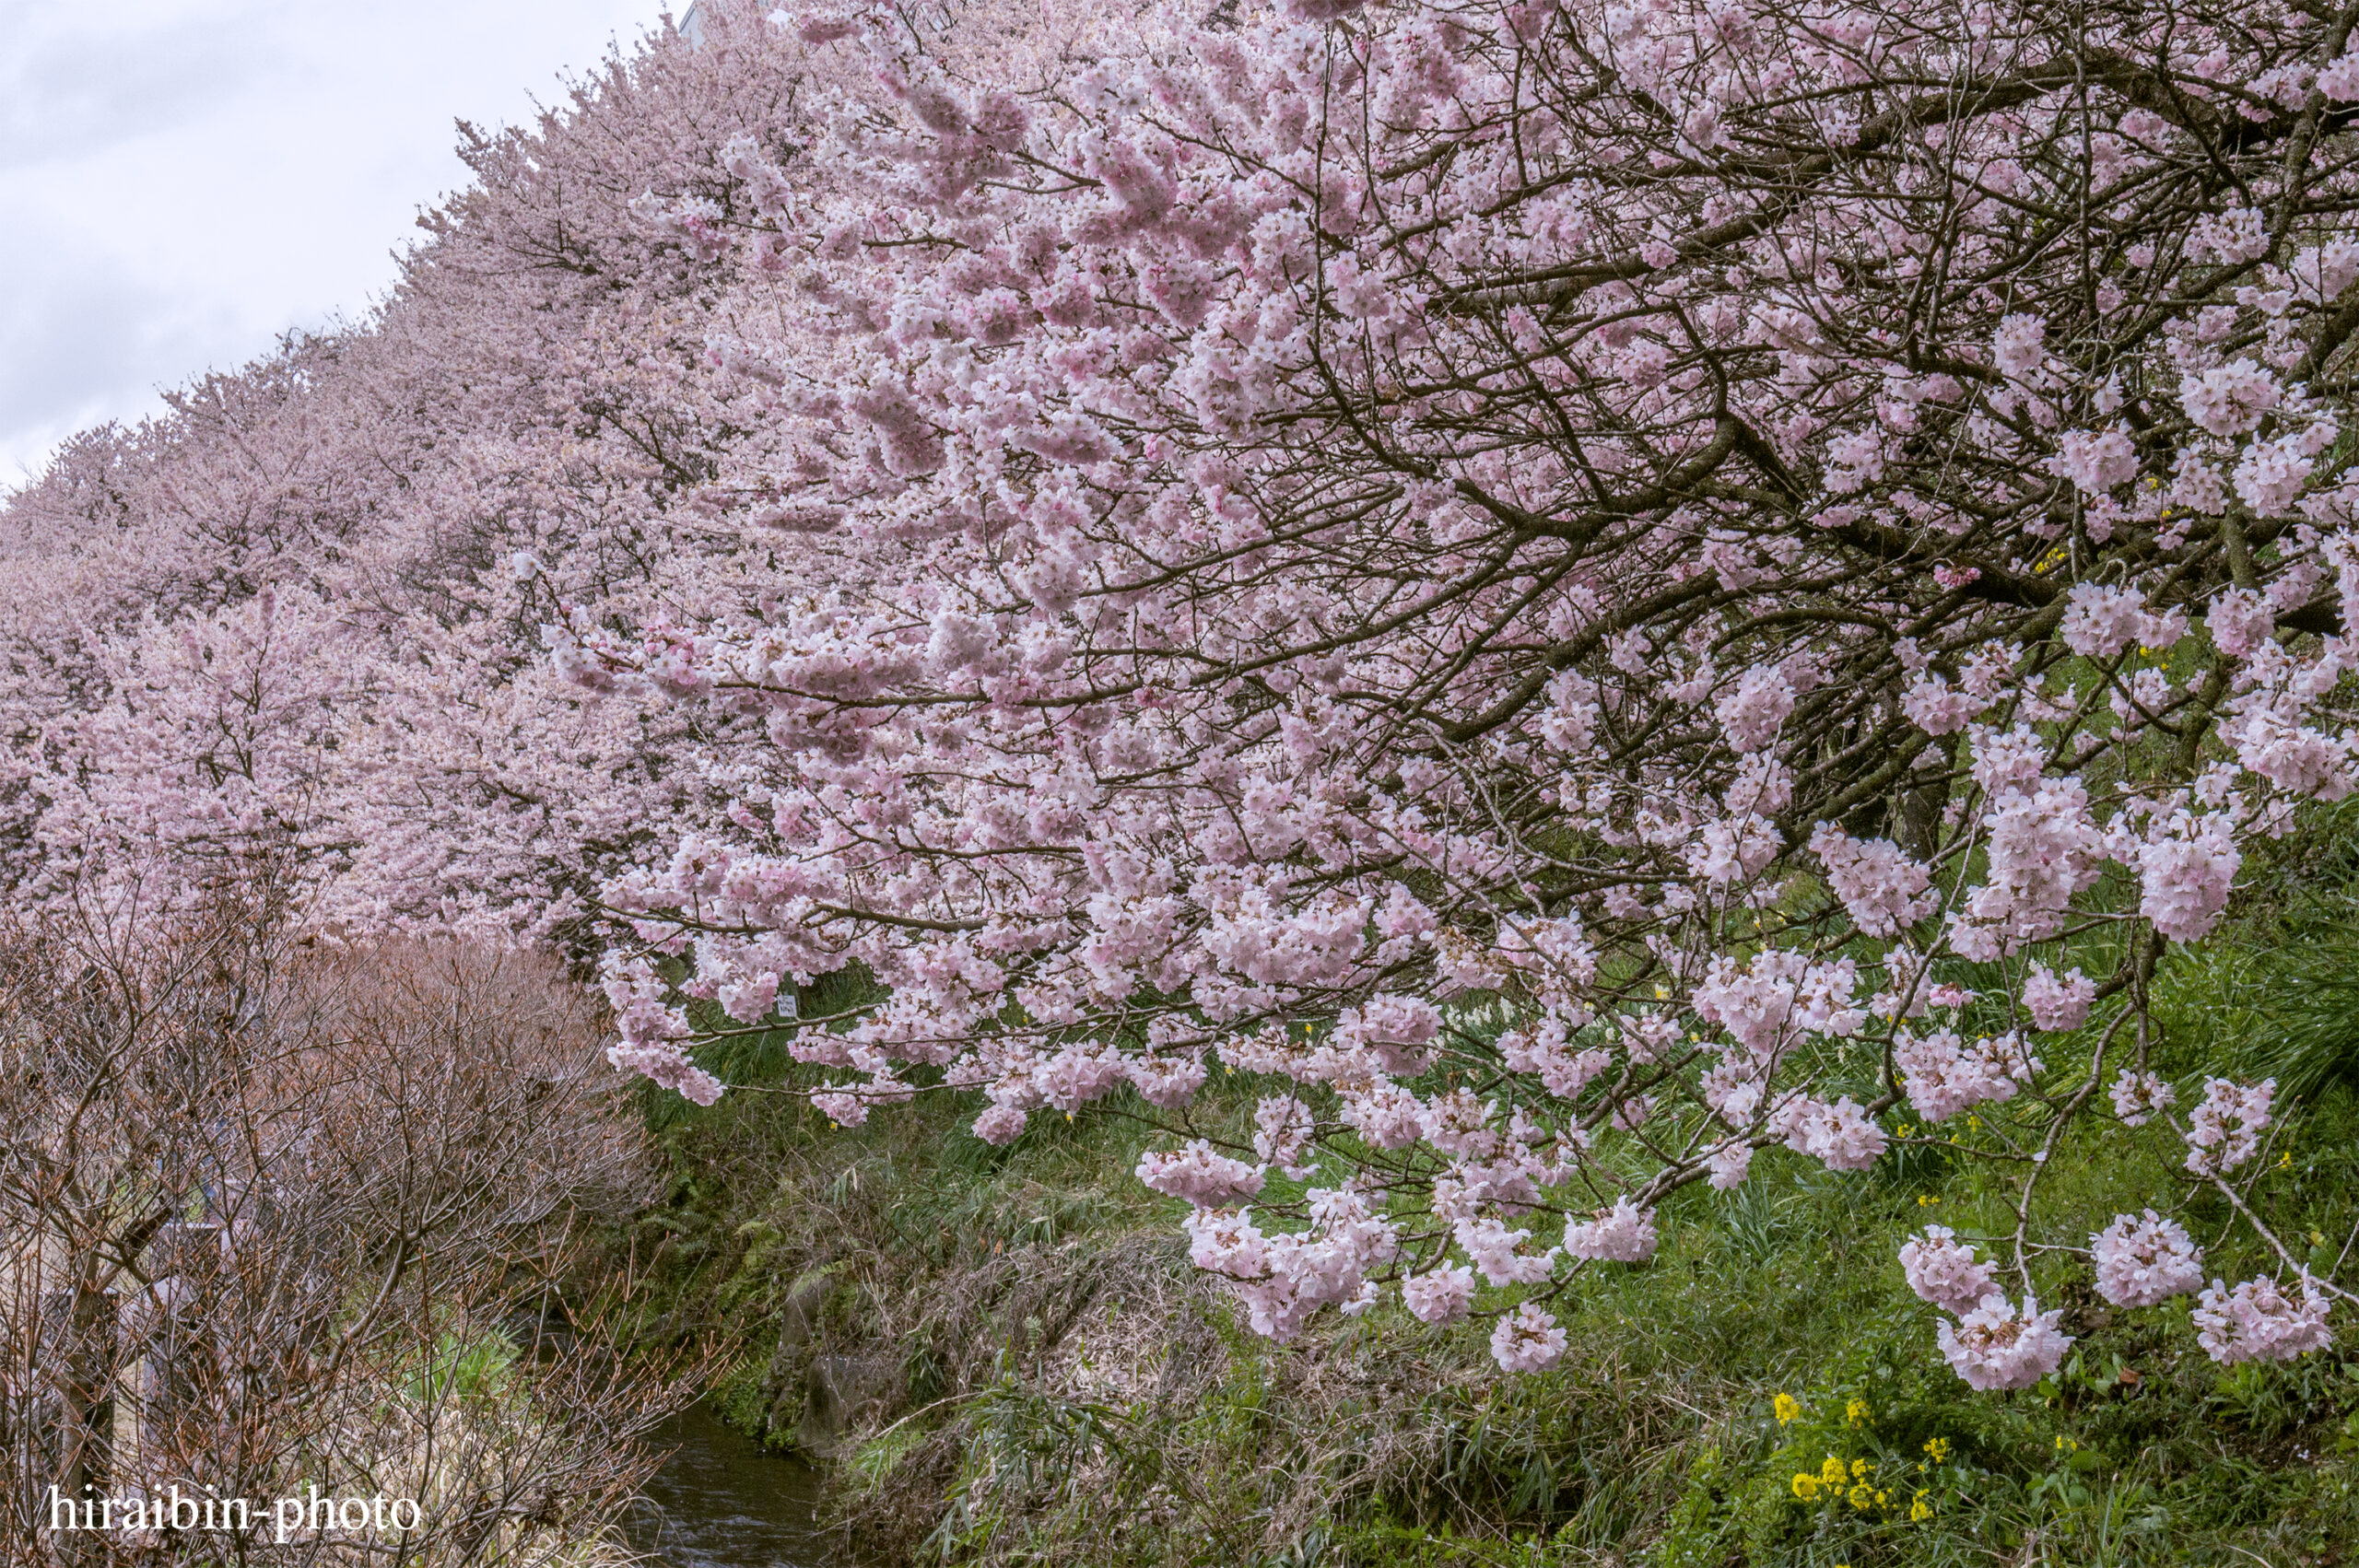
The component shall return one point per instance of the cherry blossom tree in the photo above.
(303, 608)
(1588, 589)
(1585, 589)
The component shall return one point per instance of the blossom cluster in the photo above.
(2257, 1321)
(1990, 1345)
(1995, 1347)
(2223, 1130)
(1944, 1270)
(1943, 1075)
(2141, 1261)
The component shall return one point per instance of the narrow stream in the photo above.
(721, 1501)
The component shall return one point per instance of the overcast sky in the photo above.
(184, 180)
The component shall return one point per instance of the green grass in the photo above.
(1006, 1286)
(1027, 1371)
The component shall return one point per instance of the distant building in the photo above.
(692, 27)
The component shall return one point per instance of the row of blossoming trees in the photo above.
(1587, 589)
(290, 618)
(1555, 578)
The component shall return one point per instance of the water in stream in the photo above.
(721, 1501)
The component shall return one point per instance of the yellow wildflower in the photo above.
(1834, 1473)
(1859, 1470)
(1939, 1447)
(1921, 1510)
(1805, 1486)
(1855, 1412)
(1862, 1496)
(1787, 1408)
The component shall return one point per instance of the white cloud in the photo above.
(81, 340)
(185, 180)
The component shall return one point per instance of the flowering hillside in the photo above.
(303, 610)
(1588, 603)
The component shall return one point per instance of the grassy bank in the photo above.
(1006, 1359)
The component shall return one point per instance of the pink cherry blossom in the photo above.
(1527, 1339)
(1935, 707)
(1840, 1135)
(1496, 1253)
(2257, 1321)
(2239, 621)
(1354, 544)
(1625, 1233)
(1994, 1347)
(1729, 1164)
(1442, 1295)
(2102, 621)
(2141, 1261)
(1943, 1074)
(2271, 475)
(1202, 1176)
(1881, 889)
(2095, 462)
(2338, 79)
(2223, 1130)
(1942, 1270)
(2186, 868)
(1751, 710)
(2045, 849)
(2058, 1001)
(2321, 272)
(2016, 345)
(2228, 400)
(1227, 1242)
(2138, 1095)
